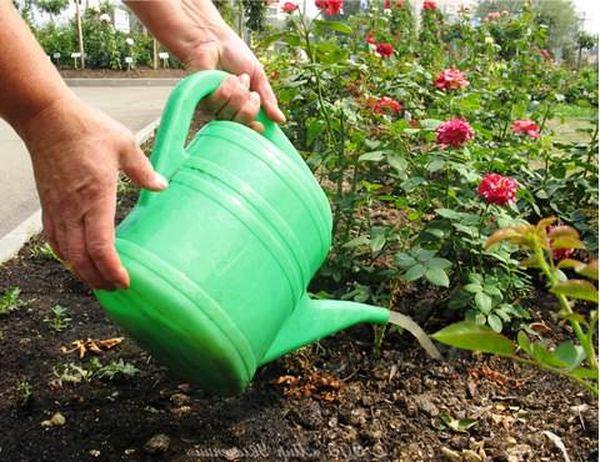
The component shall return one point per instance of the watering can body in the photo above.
(220, 261)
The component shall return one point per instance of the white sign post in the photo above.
(164, 56)
(129, 61)
(75, 57)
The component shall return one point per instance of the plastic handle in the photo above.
(169, 151)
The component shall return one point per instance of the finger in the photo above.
(50, 234)
(213, 103)
(235, 104)
(100, 243)
(79, 259)
(138, 168)
(261, 85)
(257, 126)
(248, 112)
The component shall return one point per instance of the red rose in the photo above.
(387, 104)
(289, 7)
(451, 79)
(384, 50)
(497, 189)
(329, 7)
(528, 127)
(387, 4)
(455, 133)
(559, 254)
(429, 5)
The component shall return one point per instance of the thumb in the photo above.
(138, 168)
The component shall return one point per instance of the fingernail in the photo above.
(245, 80)
(254, 96)
(281, 115)
(161, 181)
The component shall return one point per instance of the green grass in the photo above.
(570, 123)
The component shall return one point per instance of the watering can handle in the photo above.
(169, 151)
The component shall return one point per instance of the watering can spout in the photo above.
(315, 319)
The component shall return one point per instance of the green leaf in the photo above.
(569, 354)
(397, 163)
(524, 342)
(438, 277)
(450, 214)
(458, 425)
(495, 322)
(484, 302)
(567, 242)
(415, 272)
(403, 260)
(435, 165)
(377, 242)
(473, 288)
(373, 156)
(589, 270)
(576, 288)
(437, 262)
(430, 124)
(357, 242)
(584, 373)
(337, 26)
(424, 255)
(471, 336)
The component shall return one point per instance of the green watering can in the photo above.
(220, 261)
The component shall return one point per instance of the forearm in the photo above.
(181, 25)
(29, 82)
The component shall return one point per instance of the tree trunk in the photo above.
(79, 33)
(579, 53)
(154, 54)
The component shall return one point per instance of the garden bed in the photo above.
(137, 73)
(335, 400)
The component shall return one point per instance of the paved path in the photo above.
(134, 106)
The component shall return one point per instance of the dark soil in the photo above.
(137, 73)
(334, 400)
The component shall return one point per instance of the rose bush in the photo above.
(467, 149)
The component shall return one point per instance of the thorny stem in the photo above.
(340, 175)
(479, 227)
(305, 32)
(558, 372)
(551, 275)
(593, 146)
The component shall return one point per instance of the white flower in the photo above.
(104, 17)
(387, 11)
(489, 40)
(129, 41)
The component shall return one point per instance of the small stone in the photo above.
(94, 453)
(310, 416)
(451, 455)
(159, 443)
(424, 404)
(57, 420)
(358, 417)
(129, 451)
(179, 399)
(181, 411)
(470, 456)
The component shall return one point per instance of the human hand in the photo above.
(226, 51)
(76, 153)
